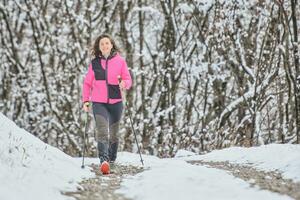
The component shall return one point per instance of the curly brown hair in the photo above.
(96, 50)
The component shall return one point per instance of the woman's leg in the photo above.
(101, 118)
(115, 114)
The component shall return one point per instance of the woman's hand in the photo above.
(122, 85)
(86, 107)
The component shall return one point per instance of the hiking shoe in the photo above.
(104, 167)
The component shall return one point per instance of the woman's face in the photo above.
(105, 46)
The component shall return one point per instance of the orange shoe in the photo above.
(104, 167)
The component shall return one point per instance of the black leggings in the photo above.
(107, 117)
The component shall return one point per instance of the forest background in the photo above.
(207, 74)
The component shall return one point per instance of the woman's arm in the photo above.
(125, 76)
(87, 84)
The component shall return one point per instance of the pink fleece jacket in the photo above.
(101, 83)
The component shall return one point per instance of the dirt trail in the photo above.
(103, 187)
(272, 181)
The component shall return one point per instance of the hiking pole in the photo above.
(133, 130)
(84, 134)
(130, 119)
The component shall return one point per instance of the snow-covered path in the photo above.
(31, 170)
(177, 179)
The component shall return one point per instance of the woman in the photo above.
(107, 75)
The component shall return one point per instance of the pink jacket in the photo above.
(101, 82)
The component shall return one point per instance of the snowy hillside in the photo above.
(31, 169)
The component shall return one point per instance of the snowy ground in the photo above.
(32, 170)
(176, 179)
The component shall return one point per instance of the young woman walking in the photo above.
(107, 75)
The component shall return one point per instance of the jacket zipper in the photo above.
(106, 72)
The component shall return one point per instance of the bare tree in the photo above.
(207, 74)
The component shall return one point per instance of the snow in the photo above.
(176, 179)
(284, 158)
(31, 169)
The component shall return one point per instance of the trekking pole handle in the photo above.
(119, 80)
(122, 90)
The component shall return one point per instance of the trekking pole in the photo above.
(130, 119)
(84, 134)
